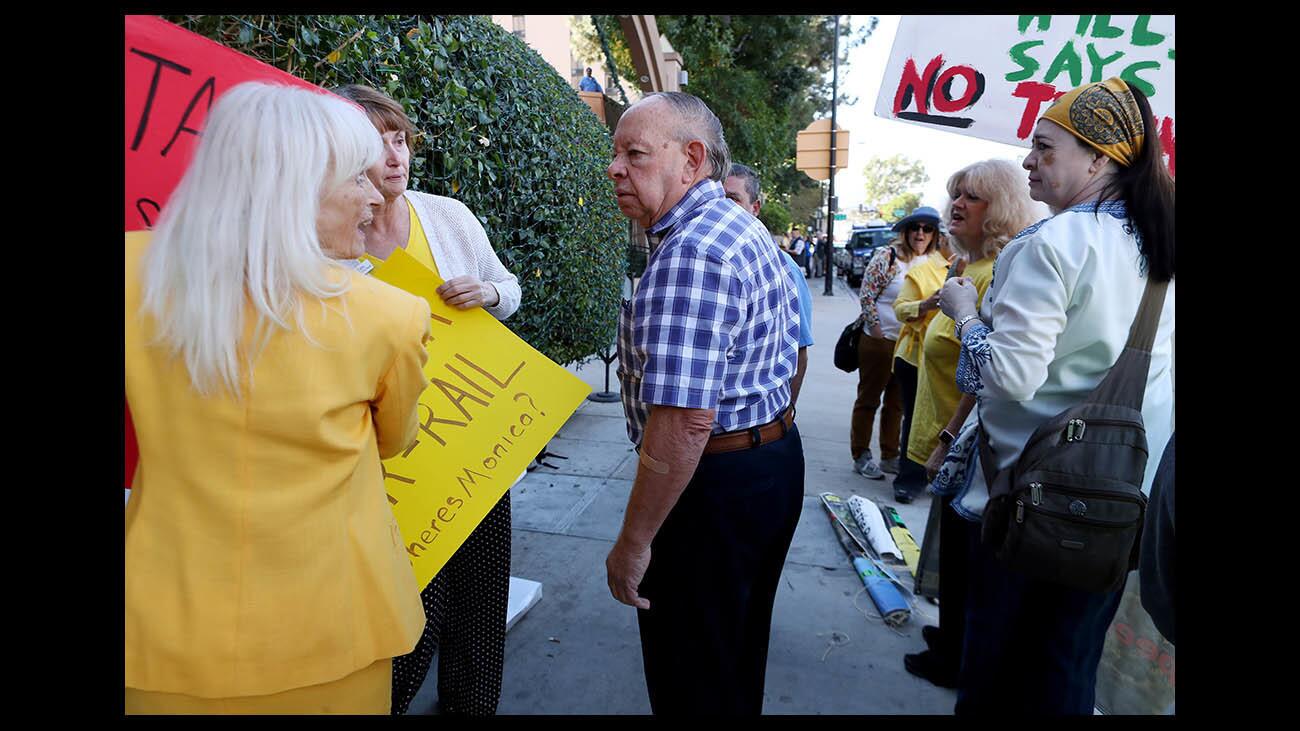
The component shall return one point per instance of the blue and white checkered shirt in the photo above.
(714, 323)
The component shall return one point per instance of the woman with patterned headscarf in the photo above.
(1053, 322)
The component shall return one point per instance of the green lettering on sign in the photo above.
(1020, 56)
(1142, 36)
(1099, 64)
(1103, 29)
(1142, 85)
(1044, 22)
(1066, 61)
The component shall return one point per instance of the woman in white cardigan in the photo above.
(1053, 322)
(466, 602)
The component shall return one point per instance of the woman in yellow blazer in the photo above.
(264, 568)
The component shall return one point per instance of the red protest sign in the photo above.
(172, 78)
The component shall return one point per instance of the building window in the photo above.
(519, 26)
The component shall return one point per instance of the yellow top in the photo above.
(261, 554)
(922, 280)
(417, 244)
(936, 383)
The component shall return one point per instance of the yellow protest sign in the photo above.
(492, 404)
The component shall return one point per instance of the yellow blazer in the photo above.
(261, 552)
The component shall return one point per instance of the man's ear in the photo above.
(696, 155)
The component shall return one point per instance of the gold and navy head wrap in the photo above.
(1105, 116)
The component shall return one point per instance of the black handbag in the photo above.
(846, 348)
(1070, 510)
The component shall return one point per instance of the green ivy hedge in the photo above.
(501, 131)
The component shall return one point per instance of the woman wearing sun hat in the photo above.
(882, 280)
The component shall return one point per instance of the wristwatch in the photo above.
(947, 437)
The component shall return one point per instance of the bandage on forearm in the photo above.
(654, 465)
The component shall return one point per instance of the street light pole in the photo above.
(830, 199)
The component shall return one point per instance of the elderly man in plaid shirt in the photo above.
(707, 349)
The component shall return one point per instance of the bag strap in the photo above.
(1142, 333)
(1126, 382)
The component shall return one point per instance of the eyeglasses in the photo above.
(922, 227)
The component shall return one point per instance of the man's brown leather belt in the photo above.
(755, 436)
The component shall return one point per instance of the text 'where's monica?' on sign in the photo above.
(992, 76)
(491, 404)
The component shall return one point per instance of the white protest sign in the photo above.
(992, 76)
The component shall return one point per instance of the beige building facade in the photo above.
(549, 35)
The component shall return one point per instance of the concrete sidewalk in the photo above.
(578, 652)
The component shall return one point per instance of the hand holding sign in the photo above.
(466, 292)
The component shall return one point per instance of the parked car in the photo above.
(851, 261)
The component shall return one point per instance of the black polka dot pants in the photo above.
(465, 607)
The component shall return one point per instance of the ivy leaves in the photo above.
(499, 130)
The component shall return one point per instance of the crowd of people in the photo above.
(266, 574)
(807, 249)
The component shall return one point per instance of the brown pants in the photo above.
(875, 377)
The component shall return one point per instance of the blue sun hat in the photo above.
(924, 213)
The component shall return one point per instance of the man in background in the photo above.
(589, 83)
(742, 186)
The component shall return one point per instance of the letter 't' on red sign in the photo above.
(172, 78)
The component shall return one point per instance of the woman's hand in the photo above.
(930, 303)
(468, 292)
(935, 461)
(957, 298)
(876, 332)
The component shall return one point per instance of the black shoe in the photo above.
(927, 665)
(902, 496)
(930, 634)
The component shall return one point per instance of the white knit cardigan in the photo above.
(460, 247)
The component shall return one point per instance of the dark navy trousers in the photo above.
(1031, 647)
(713, 575)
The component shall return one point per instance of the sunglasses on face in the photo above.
(922, 227)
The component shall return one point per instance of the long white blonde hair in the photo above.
(241, 225)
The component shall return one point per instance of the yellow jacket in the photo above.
(937, 396)
(922, 280)
(261, 553)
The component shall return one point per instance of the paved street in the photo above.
(577, 651)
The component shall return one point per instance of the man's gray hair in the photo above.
(750, 176)
(698, 122)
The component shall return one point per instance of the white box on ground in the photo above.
(523, 595)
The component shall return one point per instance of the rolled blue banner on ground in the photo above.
(889, 601)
